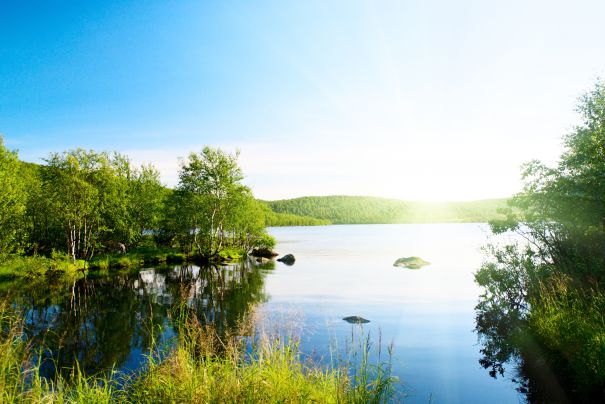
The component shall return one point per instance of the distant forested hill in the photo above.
(273, 218)
(363, 209)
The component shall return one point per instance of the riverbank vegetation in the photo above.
(544, 301)
(96, 206)
(203, 367)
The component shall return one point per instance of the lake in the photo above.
(427, 314)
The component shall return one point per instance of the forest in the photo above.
(341, 209)
(82, 204)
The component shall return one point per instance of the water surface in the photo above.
(428, 314)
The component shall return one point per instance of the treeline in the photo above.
(84, 203)
(288, 219)
(366, 210)
(544, 303)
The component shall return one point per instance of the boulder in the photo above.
(355, 320)
(411, 262)
(287, 259)
(263, 252)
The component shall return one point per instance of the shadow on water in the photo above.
(508, 349)
(111, 321)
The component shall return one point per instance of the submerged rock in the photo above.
(411, 262)
(263, 252)
(287, 259)
(355, 320)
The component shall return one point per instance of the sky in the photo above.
(417, 100)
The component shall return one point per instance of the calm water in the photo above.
(340, 271)
(428, 314)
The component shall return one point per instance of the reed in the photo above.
(204, 366)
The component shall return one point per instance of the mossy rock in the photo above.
(356, 320)
(411, 262)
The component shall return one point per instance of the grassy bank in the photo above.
(202, 368)
(156, 255)
(569, 322)
(33, 267)
(138, 257)
(29, 267)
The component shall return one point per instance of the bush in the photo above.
(265, 241)
(570, 322)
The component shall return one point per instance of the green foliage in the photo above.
(138, 257)
(204, 367)
(552, 289)
(265, 241)
(12, 201)
(211, 210)
(147, 200)
(231, 254)
(207, 367)
(37, 267)
(366, 210)
(411, 262)
(571, 323)
(84, 202)
(288, 219)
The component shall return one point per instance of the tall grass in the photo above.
(34, 267)
(203, 367)
(257, 367)
(20, 380)
(570, 320)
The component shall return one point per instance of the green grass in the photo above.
(17, 266)
(154, 256)
(204, 367)
(138, 257)
(231, 254)
(570, 322)
(20, 380)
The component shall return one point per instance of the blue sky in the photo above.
(407, 99)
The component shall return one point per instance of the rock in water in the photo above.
(411, 262)
(263, 252)
(355, 320)
(287, 259)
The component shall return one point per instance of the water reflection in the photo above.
(507, 346)
(107, 322)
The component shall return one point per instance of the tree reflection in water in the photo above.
(112, 321)
(507, 344)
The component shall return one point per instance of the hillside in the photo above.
(342, 209)
(29, 171)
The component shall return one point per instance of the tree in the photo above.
(212, 179)
(551, 290)
(147, 200)
(73, 200)
(89, 195)
(221, 211)
(12, 200)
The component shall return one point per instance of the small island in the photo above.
(411, 263)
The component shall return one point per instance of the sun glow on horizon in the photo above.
(408, 100)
